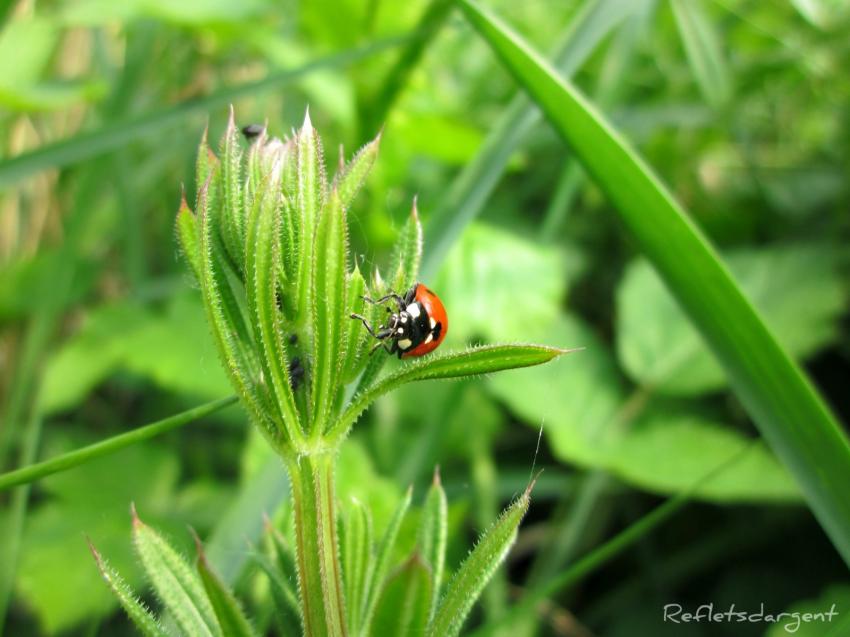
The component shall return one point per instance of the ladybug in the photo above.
(418, 327)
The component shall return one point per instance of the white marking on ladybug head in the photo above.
(433, 323)
(430, 337)
(413, 310)
(400, 330)
(404, 318)
(405, 343)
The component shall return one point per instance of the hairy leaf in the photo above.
(353, 175)
(176, 584)
(472, 576)
(329, 309)
(231, 618)
(483, 359)
(138, 613)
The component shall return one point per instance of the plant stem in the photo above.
(319, 571)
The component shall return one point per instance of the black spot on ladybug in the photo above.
(436, 331)
(252, 131)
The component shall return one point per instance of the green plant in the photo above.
(269, 249)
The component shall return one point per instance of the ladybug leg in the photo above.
(368, 327)
(391, 296)
(378, 346)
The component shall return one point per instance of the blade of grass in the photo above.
(90, 144)
(785, 406)
(430, 23)
(34, 472)
(702, 46)
(471, 189)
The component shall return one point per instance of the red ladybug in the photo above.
(418, 327)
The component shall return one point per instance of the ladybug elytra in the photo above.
(417, 327)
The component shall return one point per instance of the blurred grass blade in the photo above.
(178, 587)
(90, 144)
(468, 583)
(231, 617)
(471, 189)
(138, 613)
(429, 26)
(781, 400)
(433, 537)
(702, 46)
(402, 609)
(288, 612)
(110, 445)
(381, 562)
(483, 359)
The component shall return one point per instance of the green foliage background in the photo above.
(741, 107)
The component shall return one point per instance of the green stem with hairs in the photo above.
(316, 544)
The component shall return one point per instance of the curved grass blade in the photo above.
(471, 189)
(178, 587)
(466, 586)
(781, 400)
(288, 612)
(483, 359)
(138, 613)
(91, 144)
(429, 25)
(231, 617)
(80, 456)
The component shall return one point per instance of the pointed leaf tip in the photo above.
(307, 126)
(436, 481)
(134, 515)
